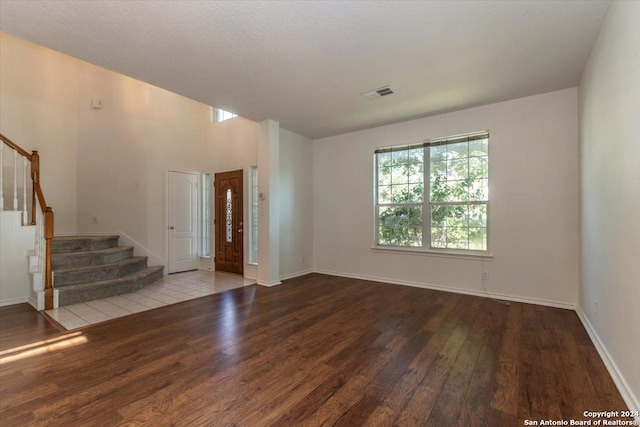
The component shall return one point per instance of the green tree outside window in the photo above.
(457, 203)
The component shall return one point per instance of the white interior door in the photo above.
(183, 221)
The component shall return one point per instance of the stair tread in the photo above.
(91, 267)
(88, 237)
(115, 264)
(97, 251)
(70, 244)
(128, 277)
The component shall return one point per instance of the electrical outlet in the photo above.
(485, 275)
(595, 307)
(303, 260)
(94, 219)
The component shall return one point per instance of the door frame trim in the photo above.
(166, 212)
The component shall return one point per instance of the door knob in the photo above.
(240, 231)
(171, 227)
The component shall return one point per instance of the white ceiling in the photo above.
(305, 63)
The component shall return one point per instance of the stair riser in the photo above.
(148, 279)
(81, 245)
(69, 296)
(103, 273)
(90, 267)
(83, 260)
(72, 295)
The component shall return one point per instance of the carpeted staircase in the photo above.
(91, 267)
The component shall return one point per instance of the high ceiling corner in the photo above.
(305, 64)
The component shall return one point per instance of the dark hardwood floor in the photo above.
(318, 350)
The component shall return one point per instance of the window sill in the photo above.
(205, 257)
(482, 256)
(252, 263)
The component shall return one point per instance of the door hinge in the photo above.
(214, 221)
(214, 259)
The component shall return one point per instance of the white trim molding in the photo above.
(153, 258)
(36, 299)
(479, 293)
(13, 301)
(296, 274)
(445, 253)
(628, 396)
(268, 284)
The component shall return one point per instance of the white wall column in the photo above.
(268, 203)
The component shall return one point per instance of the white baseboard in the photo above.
(285, 277)
(269, 284)
(527, 300)
(296, 274)
(154, 259)
(13, 301)
(630, 399)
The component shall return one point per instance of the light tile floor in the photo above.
(168, 290)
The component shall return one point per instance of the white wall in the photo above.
(534, 202)
(610, 186)
(38, 98)
(232, 145)
(109, 164)
(296, 204)
(15, 242)
(125, 150)
(105, 170)
(268, 270)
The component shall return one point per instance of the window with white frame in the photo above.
(253, 236)
(206, 215)
(434, 195)
(222, 115)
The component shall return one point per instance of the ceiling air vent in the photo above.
(376, 93)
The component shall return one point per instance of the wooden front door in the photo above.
(229, 227)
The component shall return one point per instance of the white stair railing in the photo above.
(41, 215)
(1, 174)
(15, 180)
(25, 213)
(15, 187)
(39, 243)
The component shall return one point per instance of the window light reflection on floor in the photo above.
(42, 347)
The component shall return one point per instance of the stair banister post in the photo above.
(48, 282)
(1, 187)
(15, 180)
(35, 179)
(25, 218)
